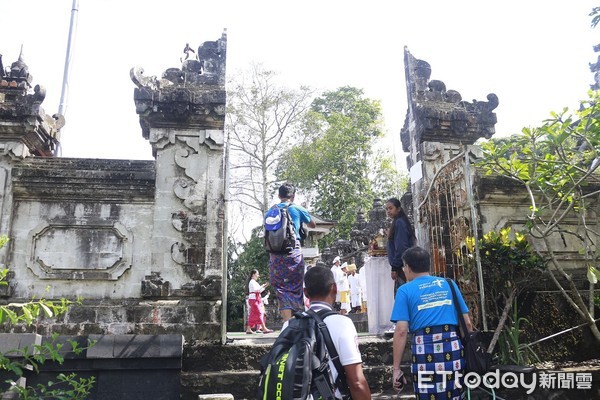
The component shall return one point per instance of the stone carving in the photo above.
(182, 115)
(19, 73)
(193, 95)
(186, 52)
(22, 112)
(362, 233)
(442, 113)
(100, 252)
(154, 285)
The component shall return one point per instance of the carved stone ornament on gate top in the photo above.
(440, 115)
(193, 96)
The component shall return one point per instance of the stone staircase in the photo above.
(234, 367)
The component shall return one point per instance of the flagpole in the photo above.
(62, 107)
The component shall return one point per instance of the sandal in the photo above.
(249, 333)
(268, 331)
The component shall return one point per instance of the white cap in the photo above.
(344, 265)
(336, 259)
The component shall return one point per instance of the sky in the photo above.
(533, 54)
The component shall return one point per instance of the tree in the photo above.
(260, 118)
(334, 162)
(557, 166)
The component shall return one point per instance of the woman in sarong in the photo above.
(256, 309)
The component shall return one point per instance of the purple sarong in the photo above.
(286, 273)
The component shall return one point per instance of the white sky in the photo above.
(533, 54)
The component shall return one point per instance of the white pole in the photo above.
(65, 85)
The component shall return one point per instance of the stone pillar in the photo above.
(182, 115)
(438, 127)
(25, 130)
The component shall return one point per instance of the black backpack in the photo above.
(280, 236)
(297, 364)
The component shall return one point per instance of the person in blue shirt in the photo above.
(286, 271)
(424, 307)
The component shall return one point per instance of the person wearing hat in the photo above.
(355, 288)
(337, 272)
(344, 289)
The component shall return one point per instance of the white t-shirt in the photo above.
(343, 335)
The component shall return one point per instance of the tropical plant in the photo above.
(511, 350)
(556, 164)
(509, 264)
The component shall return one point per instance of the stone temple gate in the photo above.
(141, 242)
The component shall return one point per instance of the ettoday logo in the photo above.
(510, 380)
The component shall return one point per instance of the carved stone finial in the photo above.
(442, 115)
(192, 96)
(35, 132)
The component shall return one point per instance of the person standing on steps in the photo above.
(401, 236)
(286, 271)
(256, 308)
(424, 306)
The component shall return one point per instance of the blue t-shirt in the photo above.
(298, 214)
(427, 301)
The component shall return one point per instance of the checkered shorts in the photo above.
(437, 353)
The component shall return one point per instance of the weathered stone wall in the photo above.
(141, 242)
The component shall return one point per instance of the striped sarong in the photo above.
(437, 353)
(286, 273)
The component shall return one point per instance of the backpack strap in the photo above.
(461, 320)
(340, 381)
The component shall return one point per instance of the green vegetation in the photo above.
(509, 264)
(335, 161)
(556, 164)
(66, 386)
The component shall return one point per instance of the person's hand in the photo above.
(398, 380)
(394, 276)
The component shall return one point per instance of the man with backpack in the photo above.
(282, 241)
(316, 354)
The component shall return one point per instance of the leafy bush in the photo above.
(66, 386)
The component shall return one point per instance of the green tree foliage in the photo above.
(66, 386)
(334, 162)
(557, 164)
(252, 256)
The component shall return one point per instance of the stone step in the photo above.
(234, 367)
(243, 384)
(245, 351)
